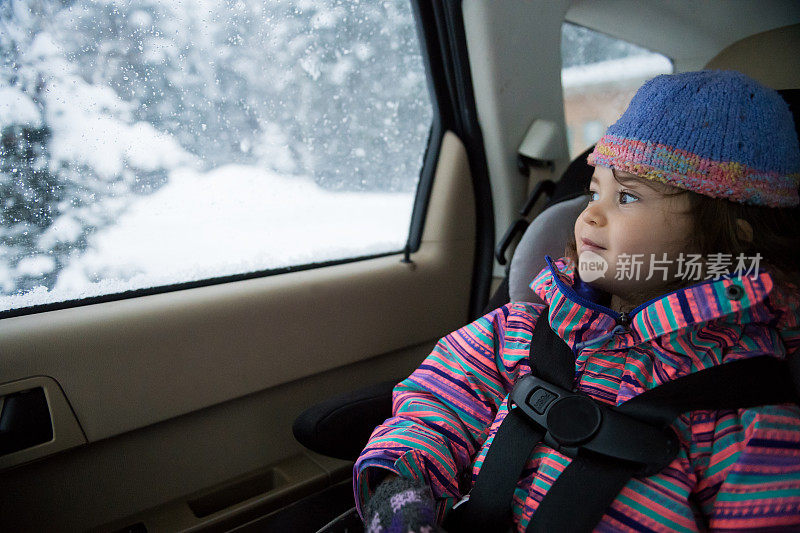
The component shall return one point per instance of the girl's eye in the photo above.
(627, 198)
(592, 195)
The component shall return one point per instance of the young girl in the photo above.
(692, 182)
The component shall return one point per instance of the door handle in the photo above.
(24, 421)
(35, 421)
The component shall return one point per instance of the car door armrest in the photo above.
(340, 426)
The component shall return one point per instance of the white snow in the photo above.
(17, 108)
(43, 47)
(272, 150)
(363, 51)
(234, 219)
(7, 282)
(311, 65)
(326, 18)
(613, 71)
(87, 129)
(148, 149)
(36, 265)
(64, 229)
(141, 18)
(340, 70)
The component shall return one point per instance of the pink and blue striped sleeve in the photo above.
(747, 461)
(442, 412)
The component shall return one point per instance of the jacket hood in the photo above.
(583, 322)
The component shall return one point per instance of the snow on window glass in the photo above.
(153, 142)
(599, 76)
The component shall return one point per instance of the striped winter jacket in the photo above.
(736, 469)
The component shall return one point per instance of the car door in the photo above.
(156, 347)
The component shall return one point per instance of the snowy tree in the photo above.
(353, 83)
(71, 149)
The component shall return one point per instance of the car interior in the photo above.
(172, 409)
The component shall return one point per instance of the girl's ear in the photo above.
(744, 230)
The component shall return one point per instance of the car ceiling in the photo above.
(690, 32)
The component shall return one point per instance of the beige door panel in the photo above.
(152, 474)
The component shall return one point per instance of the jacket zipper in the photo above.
(620, 318)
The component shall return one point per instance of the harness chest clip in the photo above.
(575, 422)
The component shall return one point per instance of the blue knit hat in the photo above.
(714, 132)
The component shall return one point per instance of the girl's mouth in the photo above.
(587, 244)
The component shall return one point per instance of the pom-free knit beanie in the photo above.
(715, 132)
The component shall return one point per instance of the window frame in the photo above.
(437, 84)
(447, 57)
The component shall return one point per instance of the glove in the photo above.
(401, 505)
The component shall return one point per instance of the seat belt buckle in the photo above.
(570, 419)
(575, 421)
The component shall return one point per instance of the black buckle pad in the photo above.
(575, 422)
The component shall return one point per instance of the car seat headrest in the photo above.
(547, 235)
(770, 57)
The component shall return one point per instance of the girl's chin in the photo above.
(593, 267)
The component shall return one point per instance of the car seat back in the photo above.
(547, 235)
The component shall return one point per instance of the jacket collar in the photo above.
(583, 322)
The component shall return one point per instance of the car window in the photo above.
(599, 76)
(152, 143)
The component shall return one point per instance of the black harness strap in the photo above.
(761, 380)
(581, 495)
(489, 506)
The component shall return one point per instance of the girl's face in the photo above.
(631, 221)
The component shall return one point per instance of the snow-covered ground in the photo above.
(234, 219)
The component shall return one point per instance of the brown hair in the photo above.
(774, 233)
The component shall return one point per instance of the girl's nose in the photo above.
(593, 215)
